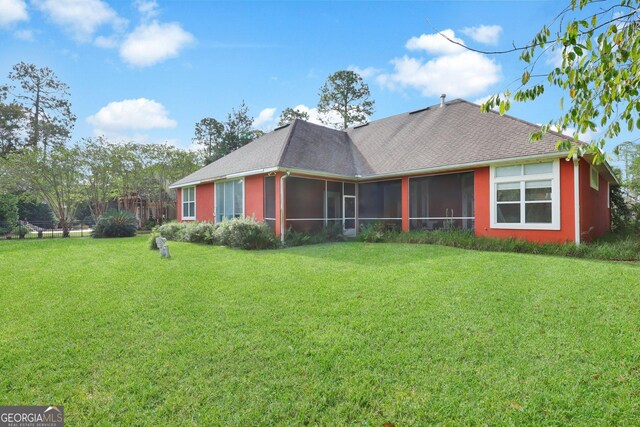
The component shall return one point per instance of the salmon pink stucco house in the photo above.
(449, 165)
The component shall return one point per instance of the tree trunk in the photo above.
(36, 120)
(66, 228)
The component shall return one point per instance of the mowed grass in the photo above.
(336, 334)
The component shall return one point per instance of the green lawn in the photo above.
(336, 334)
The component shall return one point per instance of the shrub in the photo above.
(611, 247)
(373, 233)
(246, 233)
(8, 212)
(243, 233)
(150, 224)
(115, 224)
(621, 213)
(172, 230)
(200, 232)
(152, 239)
(330, 233)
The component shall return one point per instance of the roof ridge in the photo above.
(285, 146)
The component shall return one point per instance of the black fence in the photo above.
(44, 230)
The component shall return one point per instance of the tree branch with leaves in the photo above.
(599, 42)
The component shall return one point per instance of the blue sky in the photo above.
(149, 70)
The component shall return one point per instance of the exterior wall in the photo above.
(204, 202)
(594, 213)
(179, 204)
(405, 203)
(566, 233)
(254, 196)
(279, 212)
(595, 216)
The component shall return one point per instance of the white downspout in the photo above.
(576, 198)
(282, 222)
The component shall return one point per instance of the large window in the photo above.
(380, 202)
(526, 196)
(229, 199)
(441, 202)
(189, 203)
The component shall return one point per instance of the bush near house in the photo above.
(615, 247)
(240, 233)
(330, 233)
(115, 224)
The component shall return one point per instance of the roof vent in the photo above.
(442, 97)
(283, 126)
(360, 125)
(419, 111)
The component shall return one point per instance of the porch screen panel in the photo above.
(380, 202)
(334, 202)
(441, 202)
(305, 204)
(270, 201)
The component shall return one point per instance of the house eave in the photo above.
(357, 178)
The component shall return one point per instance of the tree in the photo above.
(238, 129)
(12, 124)
(8, 212)
(600, 72)
(166, 164)
(289, 114)
(100, 169)
(346, 94)
(209, 132)
(56, 177)
(44, 98)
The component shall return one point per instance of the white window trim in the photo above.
(554, 176)
(597, 183)
(215, 197)
(189, 218)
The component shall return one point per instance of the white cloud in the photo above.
(459, 75)
(365, 73)
(12, 11)
(485, 34)
(147, 8)
(80, 18)
(436, 44)
(26, 35)
(266, 119)
(315, 115)
(153, 43)
(554, 56)
(131, 114)
(104, 42)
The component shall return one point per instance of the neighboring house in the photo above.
(145, 209)
(440, 167)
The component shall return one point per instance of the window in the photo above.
(229, 199)
(594, 178)
(189, 203)
(526, 196)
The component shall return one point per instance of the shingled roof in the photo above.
(457, 134)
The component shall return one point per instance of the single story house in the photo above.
(448, 165)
